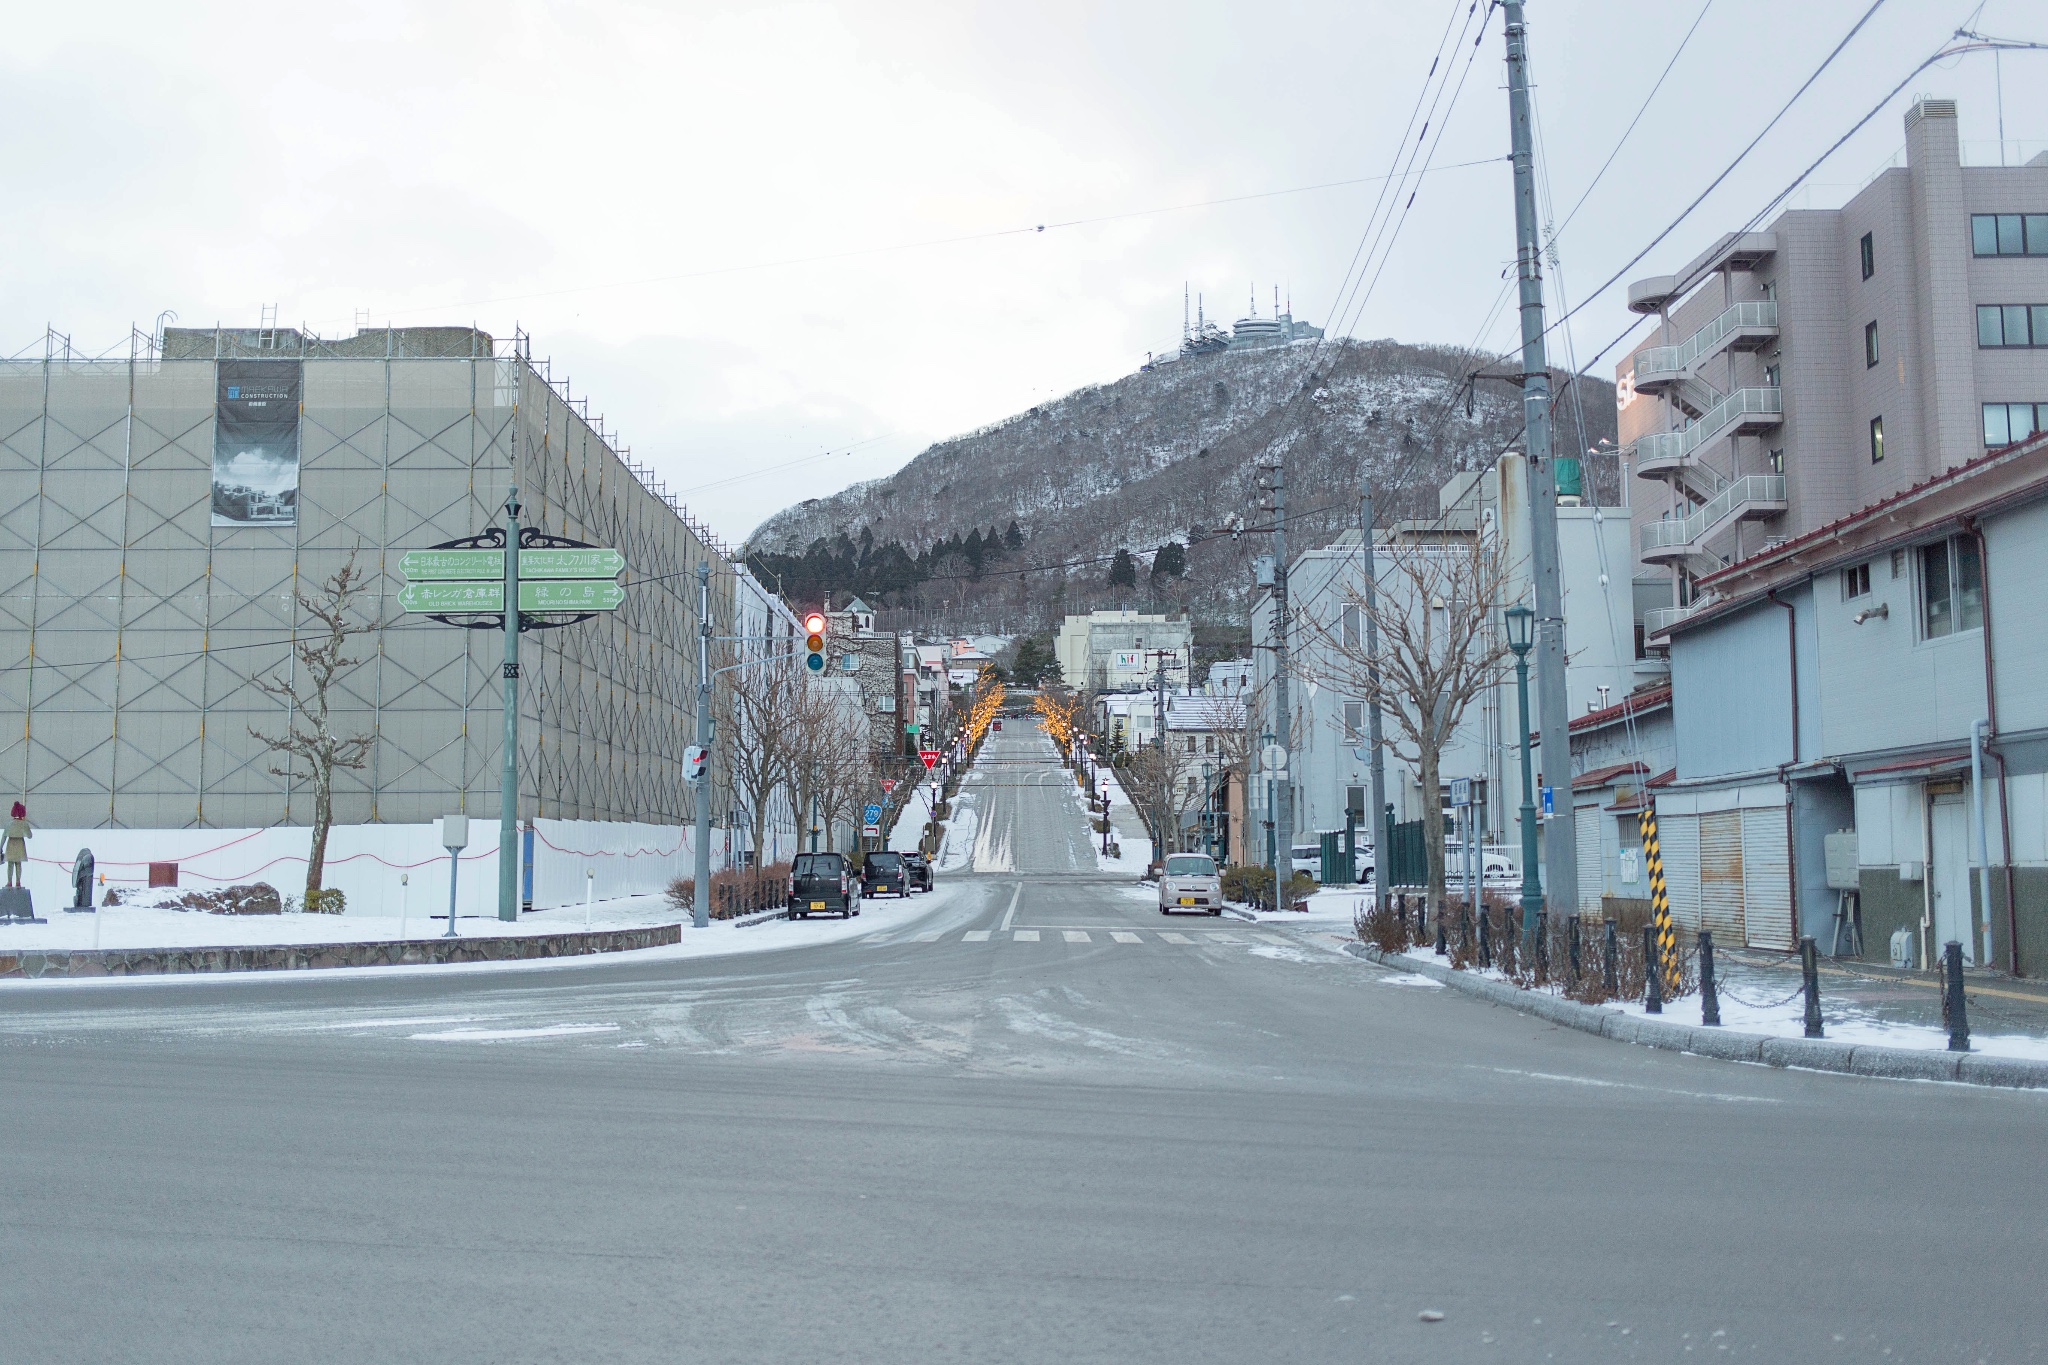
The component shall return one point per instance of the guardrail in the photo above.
(1654, 361)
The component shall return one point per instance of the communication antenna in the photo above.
(1183, 310)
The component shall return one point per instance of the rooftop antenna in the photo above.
(1255, 298)
(1276, 302)
(1200, 321)
(1183, 310)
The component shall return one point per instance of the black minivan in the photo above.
(883, 871)
(819, 883)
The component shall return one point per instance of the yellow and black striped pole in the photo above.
(1660, 899)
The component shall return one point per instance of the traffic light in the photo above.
(694, 760)
(814, 642)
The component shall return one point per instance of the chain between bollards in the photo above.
(1710, 998)
(1809, 970)
(1653, 973)
(1952, 990)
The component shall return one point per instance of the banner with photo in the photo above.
(256, 442)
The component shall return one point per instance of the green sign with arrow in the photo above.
(421, 565)
(547, 595)
(537, 563)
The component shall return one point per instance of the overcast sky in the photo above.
(784, 246)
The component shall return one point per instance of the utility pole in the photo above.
(701, 913)
(1374, 737)
(508, 786)
(1560, 850)
(1283, 804)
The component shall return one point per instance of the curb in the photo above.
(310, 956)
(1812, 1054)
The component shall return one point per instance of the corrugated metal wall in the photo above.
(1678, 836)
(1721, 908)
(1766, 878)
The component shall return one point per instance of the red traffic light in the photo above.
(814, 624)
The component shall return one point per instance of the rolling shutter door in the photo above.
(1766, 878)
(1721, 907)
(1592, 878)
(1678, 838)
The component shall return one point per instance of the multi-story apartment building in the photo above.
(1120, 651)
(1838, 415)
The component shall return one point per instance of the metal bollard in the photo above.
(1809, 969)
(1572, 930)
(1401, 912)
(1653, 973)
(1952, 989)
(1465, 931)
(1710, 999)
(1542, 954)
(1440, 948)
(1485, 939)
(1421, 919)
(1611, 969)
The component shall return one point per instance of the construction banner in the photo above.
(256, 442)
(1660, 901)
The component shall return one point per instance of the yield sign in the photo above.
(888, 785)
(930, 757)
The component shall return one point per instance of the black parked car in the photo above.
(883, 872)
(917, 871)
(821, 883)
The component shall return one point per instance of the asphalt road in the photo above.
(1041, 1124)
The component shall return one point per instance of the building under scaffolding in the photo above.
(160, 514)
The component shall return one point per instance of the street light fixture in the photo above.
(1520, 629)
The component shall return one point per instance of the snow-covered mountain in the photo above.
(1165, 455)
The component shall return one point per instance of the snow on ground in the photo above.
(1746, 1008)
(909, 827)
(1329, 907)
(721, 938)
(956, 853)
(1133, 844)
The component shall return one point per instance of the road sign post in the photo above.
(480, 587)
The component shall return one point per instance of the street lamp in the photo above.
(1521, 627)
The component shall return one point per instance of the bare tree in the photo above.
(760, 723)
(309, 735)
(1439, 649)
(1160, 781)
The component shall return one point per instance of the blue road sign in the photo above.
(871, 813)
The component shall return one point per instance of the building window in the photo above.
(1190, 749)
(2012, 324)
(1770, 376)
(1855, 582)
(1869, 256)
(1354, 721)
(1778, 460)
(1869, 344)
(1350, 628)
(2005, 423)
(1951, 587)
(1877, 440)
(2009, 234)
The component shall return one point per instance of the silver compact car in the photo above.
(1190, 884)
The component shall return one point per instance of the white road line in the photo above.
(1011, 913)
(1076, 935)
(1176, 938)
(1126, 938)
(1026, 936)
(1224, 938)
(932, 937)
(975, 936)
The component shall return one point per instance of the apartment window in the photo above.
(2009, 234)
(2005, 423)
(1208, 744)
(1354, 803)
(1770, 376)
(1350, 628)
(1778, 460)
(1354, 721)
(1877, 440)
(1951, 587)
(1855, 582)
(2012, 324)
(1869, 344)
(1191, 746)
(1869, 256)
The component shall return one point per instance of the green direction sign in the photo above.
(589, 594)
(423, 565)
(430, 565)
(455, 597)
(548, 595)
(596, 562)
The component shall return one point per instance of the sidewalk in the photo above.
(1130, 834)
(1863, 996)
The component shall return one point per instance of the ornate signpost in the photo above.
(553, 581)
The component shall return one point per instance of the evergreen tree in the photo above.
(1013, 539)
(1170, 561)
(1123, 571)
(974, 552)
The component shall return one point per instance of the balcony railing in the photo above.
(1657, 620)
(1750, 495)
(1662, 363)
(1742, 408)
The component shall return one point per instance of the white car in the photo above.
(1190, 883)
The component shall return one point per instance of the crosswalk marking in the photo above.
(1077, 936)
(1176, 938)
(932, 937)
(1121, 937)
(1027, 936)
(976, 936)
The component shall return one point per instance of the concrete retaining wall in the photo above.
(304, 956)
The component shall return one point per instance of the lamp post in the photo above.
(1520, 624)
